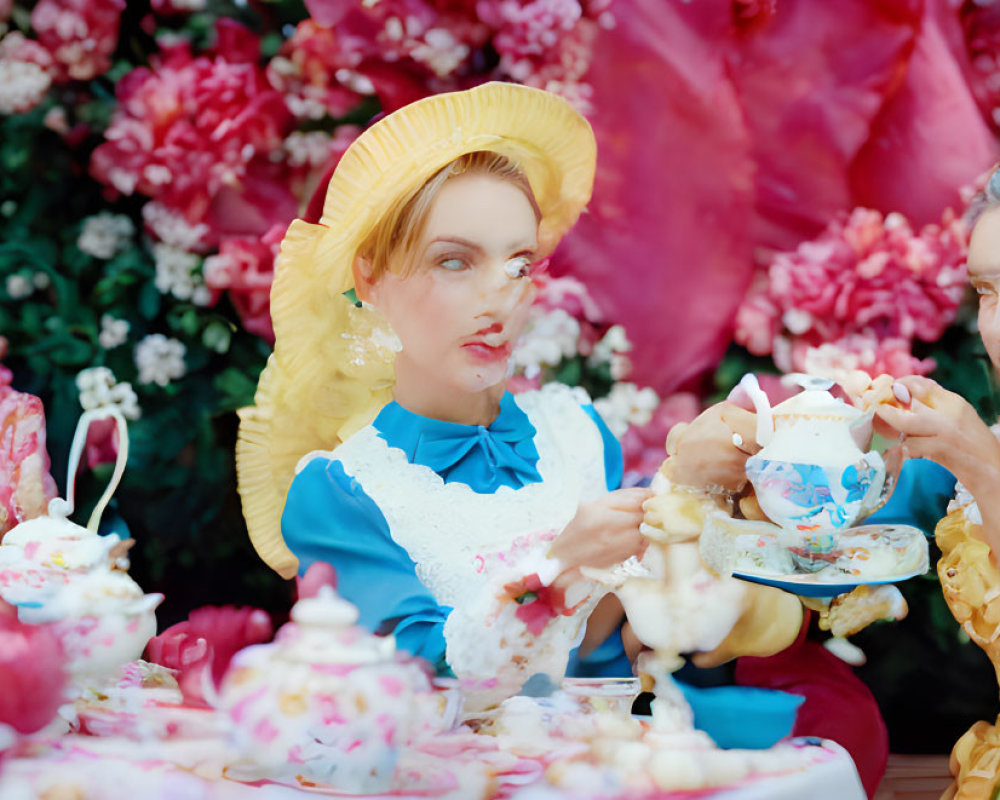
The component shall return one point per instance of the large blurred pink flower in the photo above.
(81, 35)
(244, 267)
(32, 674)
(201, 648)
(868, 287)
(187, 128)
(982, 31)
(25, 483)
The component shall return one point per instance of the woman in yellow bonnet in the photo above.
(383, 440)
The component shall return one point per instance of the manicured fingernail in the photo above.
(901, 393)
(737, 439)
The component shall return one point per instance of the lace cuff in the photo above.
(517, 625)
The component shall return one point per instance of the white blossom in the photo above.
(178, 273)
(22, 85)
(160, 360)
(104, 235)
(173, 228)
(611, 350)
(99, 389)
(440, 51)
(626, 404)
(308, 149)
(19, 286)
(548, 337)
(113, 332)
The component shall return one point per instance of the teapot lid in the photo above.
(815, 401)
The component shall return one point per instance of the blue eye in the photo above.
(452, 264)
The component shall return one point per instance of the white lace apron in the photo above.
(466, 545)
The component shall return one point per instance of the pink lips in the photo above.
(482, 351)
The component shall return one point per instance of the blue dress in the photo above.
(329, 516)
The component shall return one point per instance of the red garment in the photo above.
(838, 705)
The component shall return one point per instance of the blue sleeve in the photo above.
(614, 465)
(607, 660)
(328, 517)
(920, 498)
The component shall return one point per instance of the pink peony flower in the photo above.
(244, 267)
(201, 648)
(868, 287)
(25, 483)
(32, 674)
(188, 127)
(25, 73)
(306, 71)
(546, 43)
(81, 35)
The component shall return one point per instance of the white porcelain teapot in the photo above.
(55, 571)
(811, 476)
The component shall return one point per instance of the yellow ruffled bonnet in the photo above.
(331, 369)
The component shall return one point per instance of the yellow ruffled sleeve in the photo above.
(971, 585)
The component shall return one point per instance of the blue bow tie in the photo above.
(485, 458)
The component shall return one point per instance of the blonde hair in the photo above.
(401, 227)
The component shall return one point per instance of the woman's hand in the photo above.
(711, 451)
(604, 532)
(942, 426)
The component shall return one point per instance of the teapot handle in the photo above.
(765, 420)
(63, 508)
(874, 497)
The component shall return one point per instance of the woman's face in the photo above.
(458, 310)
(984, 275)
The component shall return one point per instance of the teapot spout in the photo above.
(765, 420)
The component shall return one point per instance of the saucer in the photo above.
(871, 554)
(812, 584)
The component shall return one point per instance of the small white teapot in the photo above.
(811, 476)
(58, 572)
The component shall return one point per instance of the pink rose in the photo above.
(202, 647)
(186, 127)
(81, 35)
(32, 674)
(244, 267)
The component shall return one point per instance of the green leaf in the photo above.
(217, 337)
(150, 300)
(235, 387)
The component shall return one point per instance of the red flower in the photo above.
(306, 69)
(32, 674)
(537, 604)
(81, 35)
(102, 442)
(189, 127)
(245, 268)
(203, 646)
